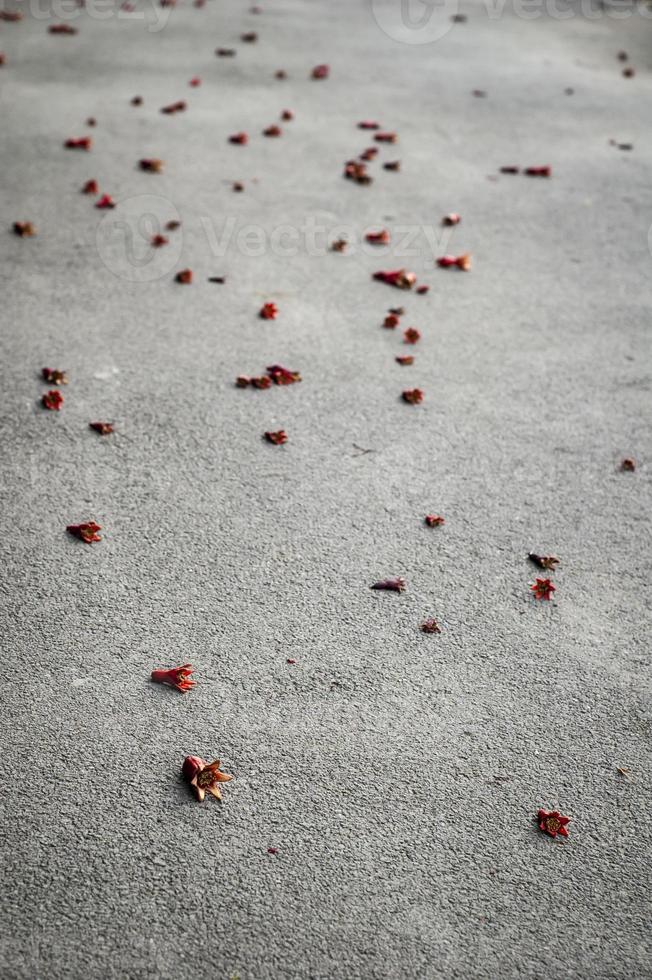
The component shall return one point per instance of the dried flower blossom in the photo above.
(397, 310)
(137, 100)
(510, 170)
(237, 186)
(273, 131)
(102, 428)
(451, 219)
(277, 438)
(392, 165)
(548, 562)
(321, 71)
(281, 376)
(628, 465)
(339, 245)
(172, 225)
(239, 139)
(399, 278)
(378, 237)
(62, 29)
(105, 202)
(413, 396)
(430, 626)
(174, 107)
(391, 321)
(88, 533)
(386, 138)
(462, 262)
(249, 38)
(261, 383)
(272, 850)
(542, 588)
(538, 171)
(91, 187)
(368, 124)
(24, 229)
(54, 376)
(434, 520)
(204, 777)
(184, 277)
(287, 115)
(411, 336)
(52, 400)
(357, 172)
(79, 143)
(552, 823)
(225, 52)
(404, 359)
(268, 311)
(422, 290)
(157, 241)
(389, 585)
(151, 165)
(369, 154)
(178, 677)
(242, 381)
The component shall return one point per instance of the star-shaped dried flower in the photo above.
(430, 626)
(552, 823)
(268, 311)
(390, 585)
(239, 139)
(411, 336)
(52, 400)
(106, 201)
(462, 262)
(90, 187)
(273, 131)
(102, 428)
(434, 520)
(151, 165)
(87, 532)
(281, 376)
(378, 237)
(400, 278)
(157, 241)
(184, 277)
(357, 172)
(413, 396)
(81, 143)
(542, 588)
(277, 438)
(339, 245)
(178, 677)
(24, 229)
(204, 777)
(53, 376)
(628, 465)
(451, 219)
(548, 562)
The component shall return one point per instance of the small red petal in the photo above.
(239, 139)
(184, 276)
(321, 71)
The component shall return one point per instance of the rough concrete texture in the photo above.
(397, 774)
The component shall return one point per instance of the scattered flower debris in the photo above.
(24, 229)
(628, 465)
(399, 278)
(62, 29)
(53, 376)
(204, 777)
(280, 74)
(281, 376)
(239, 139)
(389, 585)
(356, 171)
(172, 225)
(552, 823)
(11, 16)
(151, 165)
(79, 143)
(542, 588)
(411, 336)
(225, 52)
(392, 165)
(273, 131)
(105, 202)
(628, 72)
(548, 562)
(88, 533)
(184, 277)
(157, 241)
(174, 107)
(272, 850)
(405, 359)
(268, 311)
(369, 154)
(102, 428)
(451, 219)
(321, 71)
(378, 237)
(237, 186)
(52, 400)
(339, 245)
(368, 124)
(422, 290)
(462, 262)
(178, 677)
(137, 100)
(249, 38)
(195, 82)
(385, 137)
(510, 170)
(287, 115)
(434, 520)
(538, 171)
(413, 396)
(276, 438)
(91, 187)
(219, 279)
(430, 626)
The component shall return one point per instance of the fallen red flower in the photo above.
(368, 124)
(542, 588)
(277, 438)
(390, 585)
(552, 823)
(411, 336)
(151, 165)
(321, 71)
(62, 29)
(357, 172)
(204, 777)
(91, 187)
(549, 562)
(242, 381)
(239, 139)
(434, 520)
(405, 359)
(268, 311)
(281, 376)
(392, 165)
(391, 321)
(170, 110)
(273, 131)
(54, 376)
(82, 143)
(628, 465)
(287, 115)
(178, 677)
(24, 229)
(184, 277)
(451, 219)
(52, 400)
(85, 532)
(386, 138)
(339, 245)
(261, 383)
(430, 626)
(538, 171)
(158, 240)
(378, 237)
(103, 428)
(369, 154)
(462, 262)
(195, 81)
(400, 278)
(272, 850)
(413, 396)
(106, 201)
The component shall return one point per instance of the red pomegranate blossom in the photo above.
(321, 71)
(102, 428)
(178, 677)
(462, 262)
(105, 202)
(81, 143)
(413, 396)
(430, 626)
(542, 588)
(277, 438)
(88, 533)
(268, 311)
(399, 278)
(552, 823)
(53, 376)
(411, 336)
(204, 777)
(239, 139)
(434, 520)
(389, 585)
(52, 400)
(91, 187)
(184, 277)
(378, 237)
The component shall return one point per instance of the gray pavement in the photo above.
(397, 774)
